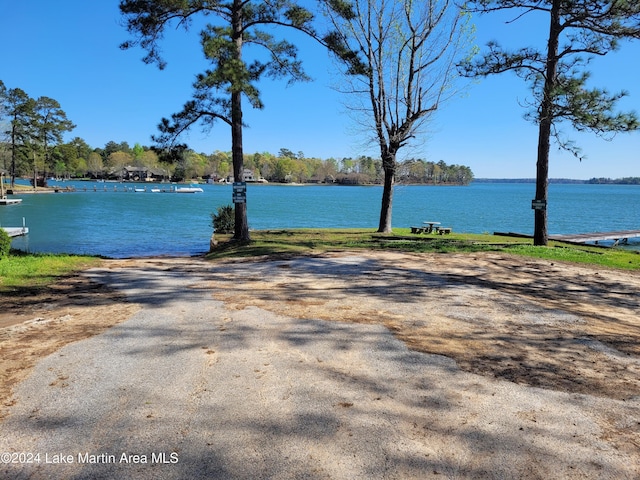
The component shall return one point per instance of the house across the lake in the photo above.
(134, 174)
(144, 174)
(247, 176)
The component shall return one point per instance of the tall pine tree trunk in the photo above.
(237, 153)
(14, 152)
(540, 233)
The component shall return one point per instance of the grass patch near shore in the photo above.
(20, 270)
(312, 241)
(19, 188)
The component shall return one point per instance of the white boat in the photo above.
(189, 189)
(138, 189)
(155, 190)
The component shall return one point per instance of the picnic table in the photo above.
(431, 226)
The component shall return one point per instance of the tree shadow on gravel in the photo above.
(568, 329)
(313, 400)
(554, 319)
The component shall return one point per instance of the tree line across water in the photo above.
(591, 181)
(31, 146)
(77, 160)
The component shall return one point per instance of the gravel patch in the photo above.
(188, 388)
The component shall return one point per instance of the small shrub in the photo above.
(5, 243)
(224, 221)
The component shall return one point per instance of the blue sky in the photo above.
(68, 50)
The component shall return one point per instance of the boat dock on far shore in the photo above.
(3, 198)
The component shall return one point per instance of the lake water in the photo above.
(124, 224)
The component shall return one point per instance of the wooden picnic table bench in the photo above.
(431, 225)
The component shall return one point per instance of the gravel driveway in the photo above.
(187, 388)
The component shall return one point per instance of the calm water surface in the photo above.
(123, 224)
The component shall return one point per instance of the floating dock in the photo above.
(620, 237)
(9, 201)
(16, 231)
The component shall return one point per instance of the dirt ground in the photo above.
(534, 322)
(35, 324)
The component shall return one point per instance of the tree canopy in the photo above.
(33, 126)
(28, 125)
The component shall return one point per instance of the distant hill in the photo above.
(526, 180)
(617, 181)
(592, 181)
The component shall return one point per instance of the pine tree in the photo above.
(19, 111)
(578, 31)
(50, 123)
(218, 92)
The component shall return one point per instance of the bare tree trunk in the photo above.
(389, 165)
(540, 233)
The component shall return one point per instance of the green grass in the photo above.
(291, 242)
(302, 241)
(611, 258)
(19, 270)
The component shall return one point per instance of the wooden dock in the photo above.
(619, 237)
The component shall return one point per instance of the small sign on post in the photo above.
(539, 204)
(239, 192)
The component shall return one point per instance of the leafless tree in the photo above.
(410, 50)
